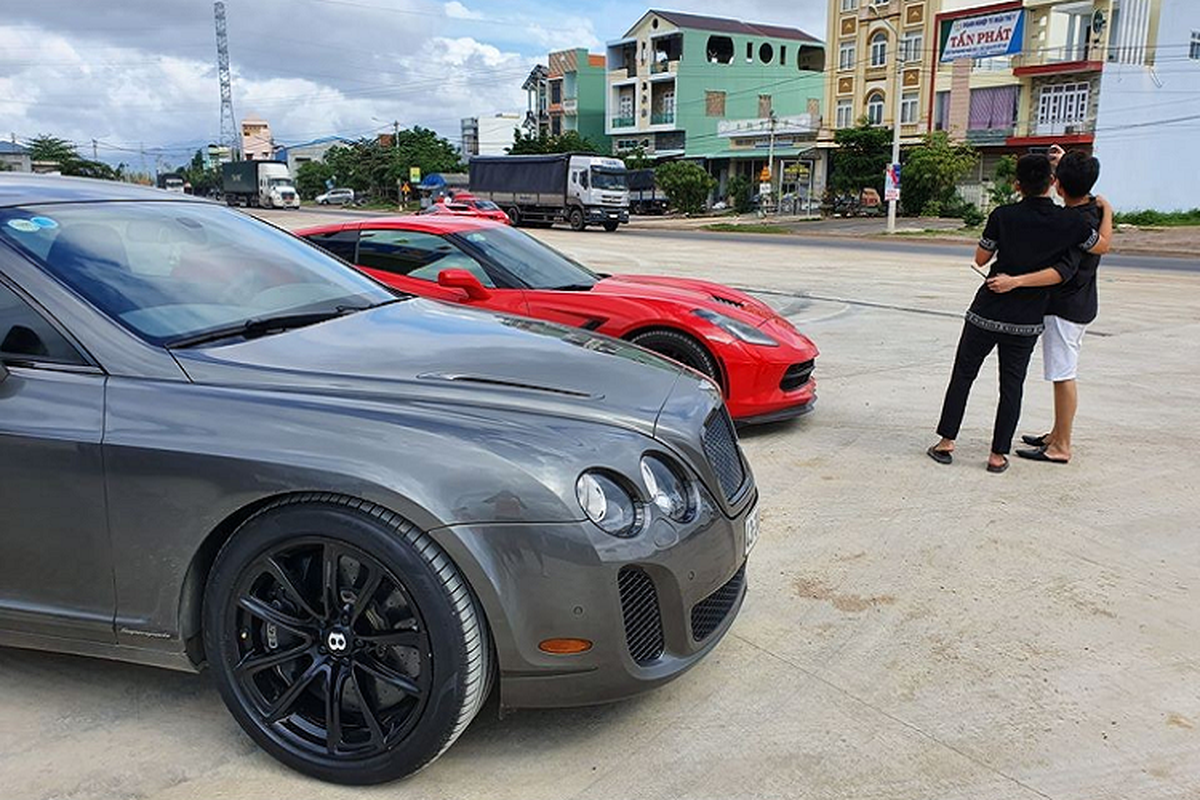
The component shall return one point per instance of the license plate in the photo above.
(751, 530)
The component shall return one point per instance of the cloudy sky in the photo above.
(141, 74)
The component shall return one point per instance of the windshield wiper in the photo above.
(259, 326)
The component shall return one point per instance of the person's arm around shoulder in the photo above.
(1104, 242)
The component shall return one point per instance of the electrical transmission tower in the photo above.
(229, 137)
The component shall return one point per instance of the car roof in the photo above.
(425, 223)
(25, 188)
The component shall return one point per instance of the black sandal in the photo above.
(1040, 455)
(940, 456)
(1035, 441)
(992, 468)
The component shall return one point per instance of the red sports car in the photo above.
(763, 364)
(468, 205)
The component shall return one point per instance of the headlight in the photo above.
(607, 504)
(667, 490)
(747, 333)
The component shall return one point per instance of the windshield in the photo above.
(486, 205)
(172, 270)
(281, 182)
(526, 259)
(611, 179)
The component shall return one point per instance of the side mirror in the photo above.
(462, 279)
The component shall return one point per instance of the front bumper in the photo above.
(538, 582)
(599, 214)
(757, 377)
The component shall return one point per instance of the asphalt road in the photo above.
(912, 631)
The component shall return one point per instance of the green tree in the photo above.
(863, 154)
(204, 180)
(1004, 186)
(741, 194)
(311, 177)
(541, 142)
(60, 151)
(636, 158)
(933, 169)
(686, 185)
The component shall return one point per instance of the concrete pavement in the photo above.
(912, 630)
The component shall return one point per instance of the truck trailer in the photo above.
(644, 195)
(540, 190)
(259, 183)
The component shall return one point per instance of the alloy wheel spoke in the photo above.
(281, 707)
(252, 664)
(335, 684)
(383, 672)
(401, 638)
(330, 557)
(289, 587)
(269, 613)
(373, 726)
(362, 598)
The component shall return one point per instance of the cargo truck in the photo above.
(644, 195)
(540, 190)
(259, 183)
(171, 181)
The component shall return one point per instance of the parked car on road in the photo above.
(467, 205)
(336, 197)
(361, 509)
(761, 362)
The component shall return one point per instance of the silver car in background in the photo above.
(222, 447)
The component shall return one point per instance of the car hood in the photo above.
(430, 352)
(691, 294)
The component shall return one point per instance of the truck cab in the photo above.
(275, 187)
(597, 192)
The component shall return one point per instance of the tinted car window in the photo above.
(341, 243)
(172, 270)
(26, 336)
(529, 261)
(417, 255)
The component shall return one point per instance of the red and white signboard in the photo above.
(891, 184)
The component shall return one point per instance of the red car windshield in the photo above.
(534, 264)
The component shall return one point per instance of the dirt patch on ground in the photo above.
(813, 589)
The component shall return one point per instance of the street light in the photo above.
(892, 204)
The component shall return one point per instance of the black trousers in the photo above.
(973, 347)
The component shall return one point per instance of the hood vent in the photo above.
(727, 301)
(486, 380)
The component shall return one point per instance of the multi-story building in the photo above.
(576, 84)
(489, 136)
(537, 94)
(257, 142)
(732, 95)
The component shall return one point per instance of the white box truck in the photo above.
(259, 183)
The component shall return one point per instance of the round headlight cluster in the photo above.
(667, 489)
(607, 504)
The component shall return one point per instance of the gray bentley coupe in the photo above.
(221, 446)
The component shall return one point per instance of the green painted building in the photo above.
(720, 91)
(576, 86)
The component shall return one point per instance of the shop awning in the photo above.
(755, 153)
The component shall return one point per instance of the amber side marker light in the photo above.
(565, 647)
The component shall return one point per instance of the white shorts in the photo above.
(1060, 348)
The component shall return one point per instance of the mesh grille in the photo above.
(721, 449)
(709, 613)
(796, 376)
(639, 607)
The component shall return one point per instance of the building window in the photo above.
(782, 54)
(845, 114)
(764, 106)
(879, 49)
(719, 50)
(1060, 107)
(749, 52)
(766, 53)
(908, 108)
(941, 111)
(1194, 53)
(714, 104)
(846, 55)
(555, 92)
(875, 108)
(911, 47)
(849, 5)
(556, 126)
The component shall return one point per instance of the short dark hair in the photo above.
(1077, 173)
(1034, 173)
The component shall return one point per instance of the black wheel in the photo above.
(610, 226)
(343, 640)
(679, 347)
(576, 219)
(514, 214)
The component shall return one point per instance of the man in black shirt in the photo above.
(1073, 305)
(1026, 237)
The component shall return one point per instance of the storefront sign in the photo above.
(796, 125)
(983, 37)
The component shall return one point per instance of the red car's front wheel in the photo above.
(679, 347)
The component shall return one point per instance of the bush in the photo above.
(1152, 218)
(972, 217)
(686, 185)
(932, 208)
(932, 170)
(740, 196)
(1004, 190)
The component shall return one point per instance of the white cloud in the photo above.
(566, 33)
(456, 10)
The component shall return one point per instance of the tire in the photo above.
(422, 654)
(514, 215)
(611, 226)
(576, 219)
(679, 347)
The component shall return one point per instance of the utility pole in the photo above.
(893, 203)
(94, 156)
(396, 134)
(771, 120)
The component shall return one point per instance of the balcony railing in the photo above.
(623, 122)
(663, 118)
(1048, 128)
(981, 137)
(660, 67)
(570, 105)
(621, 73)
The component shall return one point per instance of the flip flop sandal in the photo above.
(997, 470)
(940, 456)
(1040, 455)
(1035, 441)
